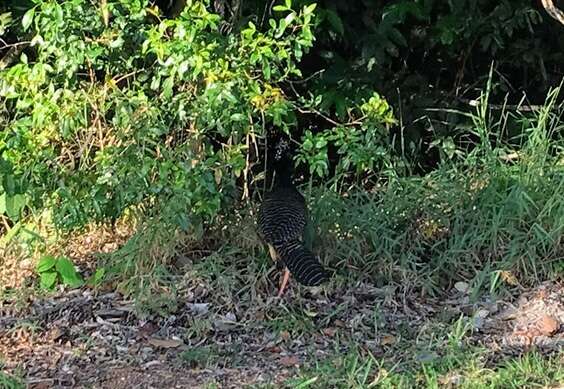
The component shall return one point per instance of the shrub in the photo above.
(111, 107)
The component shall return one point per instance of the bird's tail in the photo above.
(301, 262)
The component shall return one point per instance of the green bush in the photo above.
(113, 107)
(106, 114)
(424, 54)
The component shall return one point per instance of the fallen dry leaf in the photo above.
(274, 349)
(479, 318)
(199, 308)
(450, 380)
(547, 325)
(289, 360)
(387, 340)
(329, 331)
(165, 343)
(509, 277)
(226, 323)
(462, 286)
(310, 313)
(147, 329)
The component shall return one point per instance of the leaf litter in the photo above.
(81, 338)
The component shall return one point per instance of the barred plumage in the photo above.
(282, 215)
(282, 219)
(302, 263)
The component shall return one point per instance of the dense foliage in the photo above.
(424, 54)
(115, 105)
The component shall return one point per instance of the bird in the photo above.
(282, 218)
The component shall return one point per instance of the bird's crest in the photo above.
(281, 150)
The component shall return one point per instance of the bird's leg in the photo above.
(273, 253)
(286, 276)
(284, 282)
(275, 257)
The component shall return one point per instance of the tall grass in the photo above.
(492, 216)
(475, 217)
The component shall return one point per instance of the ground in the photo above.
(85, 338)
(213, 320)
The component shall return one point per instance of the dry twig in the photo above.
(553, 11)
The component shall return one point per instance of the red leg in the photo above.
(284, 282)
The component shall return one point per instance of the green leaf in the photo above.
(45, 263)
(167, 86)
(290, 18)
(321, 143)
(272, 23)
(5, 21)
(97, 277)
(397, 37)
(67, 271)
(281, 29)
(307, 145)
(28, 18)
(279, 8)
(266, 70)
(237, 117)
(48, 279)
(116, 43)
(183, 222)
(155, 83)
(9, 184)
(99, 274)
(309, 9)
(288, 3)
(14, 205)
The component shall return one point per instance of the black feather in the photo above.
(282, 218)
(301, 262)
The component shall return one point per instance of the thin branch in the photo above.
(502, 107)
(6, 45)
(13, 53)
(303, 81)
(327, 118)
(267, 9)
(322, 115)
(117, 79)
(553, 11)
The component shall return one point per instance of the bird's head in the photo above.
(282, 149)
(282, 163)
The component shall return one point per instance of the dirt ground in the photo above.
(85, 339)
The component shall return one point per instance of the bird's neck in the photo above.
(284, 171)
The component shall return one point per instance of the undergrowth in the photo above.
(481, 217)
(445, 360)
(491, 214)
(487, 219)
